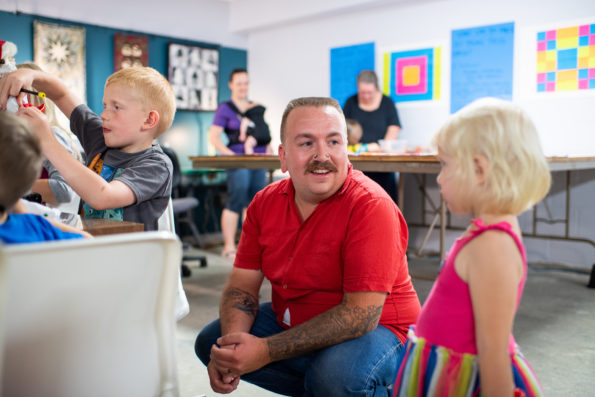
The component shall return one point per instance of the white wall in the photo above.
(197, 20)
(291, 60)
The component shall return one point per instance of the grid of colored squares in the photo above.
(566, 59)
(414, 75)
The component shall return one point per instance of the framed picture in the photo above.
(130, 50)
(60, 50)
(194, 74)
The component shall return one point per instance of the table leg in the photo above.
(401, 192)
(428, 233)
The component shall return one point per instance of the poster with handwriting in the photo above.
(482, 64)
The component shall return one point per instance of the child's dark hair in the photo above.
(20, 159)
(236, 71)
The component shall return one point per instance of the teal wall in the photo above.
(190, 127)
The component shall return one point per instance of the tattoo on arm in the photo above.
(241, 300)
(334, 326)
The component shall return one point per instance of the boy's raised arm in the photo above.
(93, 189)
(54, 88)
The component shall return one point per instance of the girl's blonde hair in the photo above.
(518, 176)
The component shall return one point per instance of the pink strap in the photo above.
(503, 226)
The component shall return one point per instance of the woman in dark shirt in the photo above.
(379, 119)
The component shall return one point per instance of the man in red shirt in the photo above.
(332, 243)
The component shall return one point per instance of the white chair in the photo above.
(2, 315)
(91, 317)
(166, 223)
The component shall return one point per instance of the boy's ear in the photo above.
(151, 121)
(481, 167)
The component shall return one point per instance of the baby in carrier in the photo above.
(254, 131)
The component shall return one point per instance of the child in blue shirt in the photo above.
(20, 165)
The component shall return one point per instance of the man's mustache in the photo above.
(320, 165)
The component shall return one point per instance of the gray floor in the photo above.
(555, 326)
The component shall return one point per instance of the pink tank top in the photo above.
(446, 318)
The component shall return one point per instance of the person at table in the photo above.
(379, 119)
(52, 187)
(128, 176)
(354, 136)
(332, 244)
(20, 165)
(242, 184)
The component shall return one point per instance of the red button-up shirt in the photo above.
(354, 241)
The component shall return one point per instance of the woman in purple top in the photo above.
(242, 184)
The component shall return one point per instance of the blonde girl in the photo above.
(462, 344)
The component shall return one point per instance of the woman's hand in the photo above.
(11, 84)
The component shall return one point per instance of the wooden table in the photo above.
(426, 163)
(102, 227)
(406, 163)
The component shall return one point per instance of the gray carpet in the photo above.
(555, 326)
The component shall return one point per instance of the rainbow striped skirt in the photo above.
(429, 370)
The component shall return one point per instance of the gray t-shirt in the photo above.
(147, 173)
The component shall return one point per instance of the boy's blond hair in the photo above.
(354, 131)
(518, 176)
(20, 159)
(152, 90)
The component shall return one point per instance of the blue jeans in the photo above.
(242, 185)
(365, 366)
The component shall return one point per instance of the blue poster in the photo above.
(346, 63)
(481, 64)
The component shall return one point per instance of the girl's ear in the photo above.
(151, 121)
(481, 166)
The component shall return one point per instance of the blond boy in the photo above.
(128, 176)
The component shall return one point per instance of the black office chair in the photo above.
(183, 207)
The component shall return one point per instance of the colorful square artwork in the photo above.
(412, 75)
(566, 59)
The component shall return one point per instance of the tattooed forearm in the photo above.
(337, 325)
(241, 300)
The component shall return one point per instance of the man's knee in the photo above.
(205, 340)
(329, 380)
(362, 367)
(328, 377)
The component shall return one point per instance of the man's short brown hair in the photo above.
(317, 102)
(20, 159)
